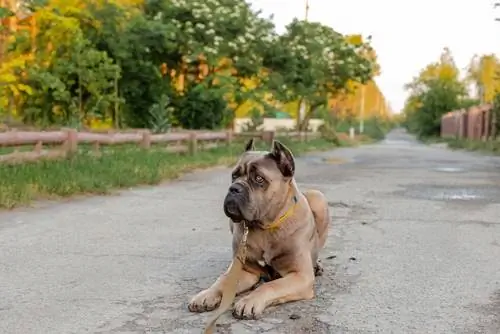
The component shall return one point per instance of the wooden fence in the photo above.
(31, 145)
(475, 123)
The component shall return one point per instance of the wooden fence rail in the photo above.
(69, 141)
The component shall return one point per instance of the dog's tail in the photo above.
(319, 207)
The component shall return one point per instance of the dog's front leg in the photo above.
(209, 299)
(298, 285)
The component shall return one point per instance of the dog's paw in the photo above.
(206, 300)
(249, 307)
(318, 268)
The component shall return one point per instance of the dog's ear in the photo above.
(284, 158)
(250, 146)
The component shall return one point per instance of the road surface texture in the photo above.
(414, 247)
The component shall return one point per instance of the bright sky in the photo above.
(407, 35)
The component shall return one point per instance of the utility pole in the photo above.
(303, 102)
(362, 110)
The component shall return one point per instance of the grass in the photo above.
(490, 146)
(119, 167)
(374, 129)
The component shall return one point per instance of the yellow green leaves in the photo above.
(437, 90)
(367, 99)
(483, 72)
(10, 84)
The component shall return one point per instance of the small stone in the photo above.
(294, 316)
(331, 257)
(364, 223)
(352, 258)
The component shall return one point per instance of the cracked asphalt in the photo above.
(414, 247)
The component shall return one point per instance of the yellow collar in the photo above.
(276, 224)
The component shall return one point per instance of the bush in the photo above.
(439, 98)
(202, 108)
(161, 115)
(328, 129)
(329, 133)
(490, 146)
(376, 128)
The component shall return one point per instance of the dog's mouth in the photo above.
(234, 203)
(232, 210)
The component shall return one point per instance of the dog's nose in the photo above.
(236, 188)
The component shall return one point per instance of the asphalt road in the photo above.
(414, 247)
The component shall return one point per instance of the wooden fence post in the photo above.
(38, 147)
(71, 143)
(268, 136)
(146, 140)
(229, 138)
(193, 143)
(494, 125)
(96, 147)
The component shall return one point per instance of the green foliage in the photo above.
(439, 98)
(490, 146)
(496, 114)
(375, 128)
(78, 85)
(200, 108)
(161, 115)
(4, 13)
(320, 64)
(328, 128)
(109, 60)
(256, 120)
(437, 90)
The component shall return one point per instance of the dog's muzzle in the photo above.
(235, 200)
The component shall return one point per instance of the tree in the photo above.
(323, 63)
(81, 61)
(220, 45)
(68, 91)
(69, 79)
(483, 74)
(436, 91)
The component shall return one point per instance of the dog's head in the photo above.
(260, 184)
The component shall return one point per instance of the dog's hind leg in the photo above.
(319, 207)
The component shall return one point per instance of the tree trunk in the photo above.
(298, 119)
(116, 112)
(307, 117)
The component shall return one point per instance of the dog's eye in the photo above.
(259, 179)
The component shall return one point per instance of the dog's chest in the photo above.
(260, 252)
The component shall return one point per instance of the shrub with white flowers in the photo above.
(309, 61)
(326, 61)
(216, 29)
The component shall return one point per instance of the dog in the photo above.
(286, 231)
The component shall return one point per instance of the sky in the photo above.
(407, 35)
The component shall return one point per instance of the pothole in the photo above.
(449, 169)
(471, 193)
(334, 160)
(459, 195)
